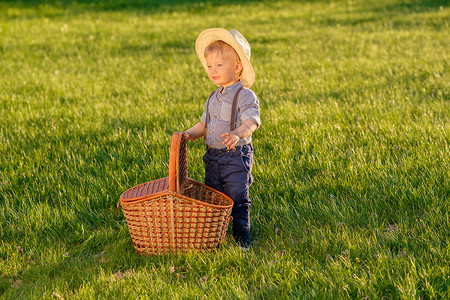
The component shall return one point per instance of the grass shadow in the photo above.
(144, 6)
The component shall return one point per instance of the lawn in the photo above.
(351, 191)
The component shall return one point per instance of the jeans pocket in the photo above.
(247, 161)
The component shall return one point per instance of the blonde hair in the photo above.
(223, 48)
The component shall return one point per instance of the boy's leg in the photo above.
(212, 172)
(236, 174)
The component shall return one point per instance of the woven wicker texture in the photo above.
(175, 213)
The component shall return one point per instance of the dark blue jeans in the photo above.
(230, 173)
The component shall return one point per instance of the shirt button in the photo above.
(214, 116)
(218, 100)
(211, 132)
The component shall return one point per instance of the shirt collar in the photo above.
(232, 88)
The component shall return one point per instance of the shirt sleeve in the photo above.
(249, 107)
(203, 117)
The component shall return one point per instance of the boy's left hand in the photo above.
(189, 137)
(231, 139)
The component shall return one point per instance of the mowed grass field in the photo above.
(351, 190)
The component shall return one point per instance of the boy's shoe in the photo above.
(242, 237)
(245, 244)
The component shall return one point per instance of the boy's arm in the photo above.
(232, 137)
(196, 131)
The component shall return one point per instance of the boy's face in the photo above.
(223, 70)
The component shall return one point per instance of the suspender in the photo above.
(233, 112)
(233, 109)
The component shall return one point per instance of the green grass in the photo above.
(351, 191)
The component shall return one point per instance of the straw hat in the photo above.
(236, 40)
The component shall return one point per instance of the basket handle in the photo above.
(177, 146)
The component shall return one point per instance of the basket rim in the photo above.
(145, 197)
(139, 185)
(176, 194)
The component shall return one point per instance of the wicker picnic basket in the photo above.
(175, 213)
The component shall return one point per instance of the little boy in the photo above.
(225, 55)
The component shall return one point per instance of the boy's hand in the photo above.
(231, 139)
(189, 137)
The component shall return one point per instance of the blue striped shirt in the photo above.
(220, 113)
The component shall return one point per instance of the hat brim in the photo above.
(219, 34)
